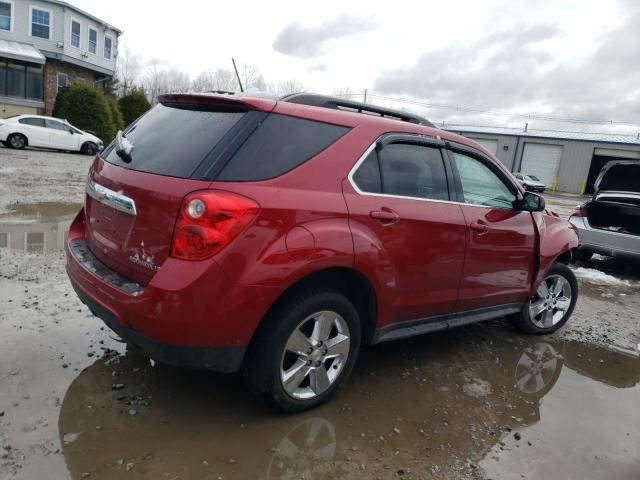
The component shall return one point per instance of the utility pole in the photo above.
(365, 96)
(237, 74)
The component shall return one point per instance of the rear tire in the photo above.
(304, 350)
(552, 305)
(17, 141)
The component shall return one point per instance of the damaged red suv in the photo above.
(276, 237)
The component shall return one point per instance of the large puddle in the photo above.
(439, 406)
(36, 227)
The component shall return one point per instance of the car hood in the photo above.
(619, 176)
(534, 182)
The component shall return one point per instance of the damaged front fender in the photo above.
(556, 237)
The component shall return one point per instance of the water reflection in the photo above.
(422, 404)
(36, 227)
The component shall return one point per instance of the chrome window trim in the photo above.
(113, 199)
(387, 195)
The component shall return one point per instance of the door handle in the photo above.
(385, 215)
(480, 227)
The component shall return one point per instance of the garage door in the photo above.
(542, 161)
(491, 145)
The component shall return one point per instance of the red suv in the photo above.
(278, 236)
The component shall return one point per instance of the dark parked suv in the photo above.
(278, 236)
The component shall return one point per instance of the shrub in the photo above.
(133, 105)
(87, 108)
(116, 114)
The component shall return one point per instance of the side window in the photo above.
(413, 171)
(280, 144)
(34, 122)
(480, 185)
(57, 125)
(367, 177)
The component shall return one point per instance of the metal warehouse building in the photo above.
(565, 162)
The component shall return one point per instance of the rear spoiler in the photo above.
(209, 101)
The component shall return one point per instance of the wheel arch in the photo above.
(346, 281)
(557, 241)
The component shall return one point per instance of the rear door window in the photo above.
(367, 177)
(173, 141)
(280, 144)
(413, 171)
(34, 122)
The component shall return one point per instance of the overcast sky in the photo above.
(566, 58)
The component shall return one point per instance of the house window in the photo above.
(107, 47)
(15, 80)
(93, 40)
(21, 79)
(63, 81)
(40, 23)
(6, 16)
(75, 34)
(35, 242)
(4, 240)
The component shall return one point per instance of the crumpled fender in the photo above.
(555, 237)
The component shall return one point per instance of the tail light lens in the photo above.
(208, 221)
(577, 211)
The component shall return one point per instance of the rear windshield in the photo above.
(279, 144)
(173, 141)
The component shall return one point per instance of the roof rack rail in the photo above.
(359, 107)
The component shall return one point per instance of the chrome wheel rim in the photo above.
(17, 141)
(315, 354)
(551, 302)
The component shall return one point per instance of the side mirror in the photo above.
(532, 202)
(71, 131)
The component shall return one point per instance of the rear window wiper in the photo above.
(123, 147)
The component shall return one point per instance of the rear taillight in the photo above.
(208, 221)
(577, 211)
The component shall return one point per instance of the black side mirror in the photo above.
(531, 202)
(71, 131)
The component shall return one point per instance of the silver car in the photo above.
(530, 182)
(609, 223)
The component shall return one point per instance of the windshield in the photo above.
(533, 177)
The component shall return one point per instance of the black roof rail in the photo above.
(336, 103)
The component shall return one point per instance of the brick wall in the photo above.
(74, 74)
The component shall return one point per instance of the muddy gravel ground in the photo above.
(476, 402)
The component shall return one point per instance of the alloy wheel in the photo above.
(315, 354)
(17, 141)
(551, 302)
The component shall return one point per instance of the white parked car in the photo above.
(47, 132)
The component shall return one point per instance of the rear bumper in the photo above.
(219, 359)
(189, 314)
(612, 244)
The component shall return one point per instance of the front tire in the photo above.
(552, 304)
(17, 141)
(305, 350)
(89, 148)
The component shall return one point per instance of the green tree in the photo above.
(87, 108)
(133, 105)
(116, 114)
